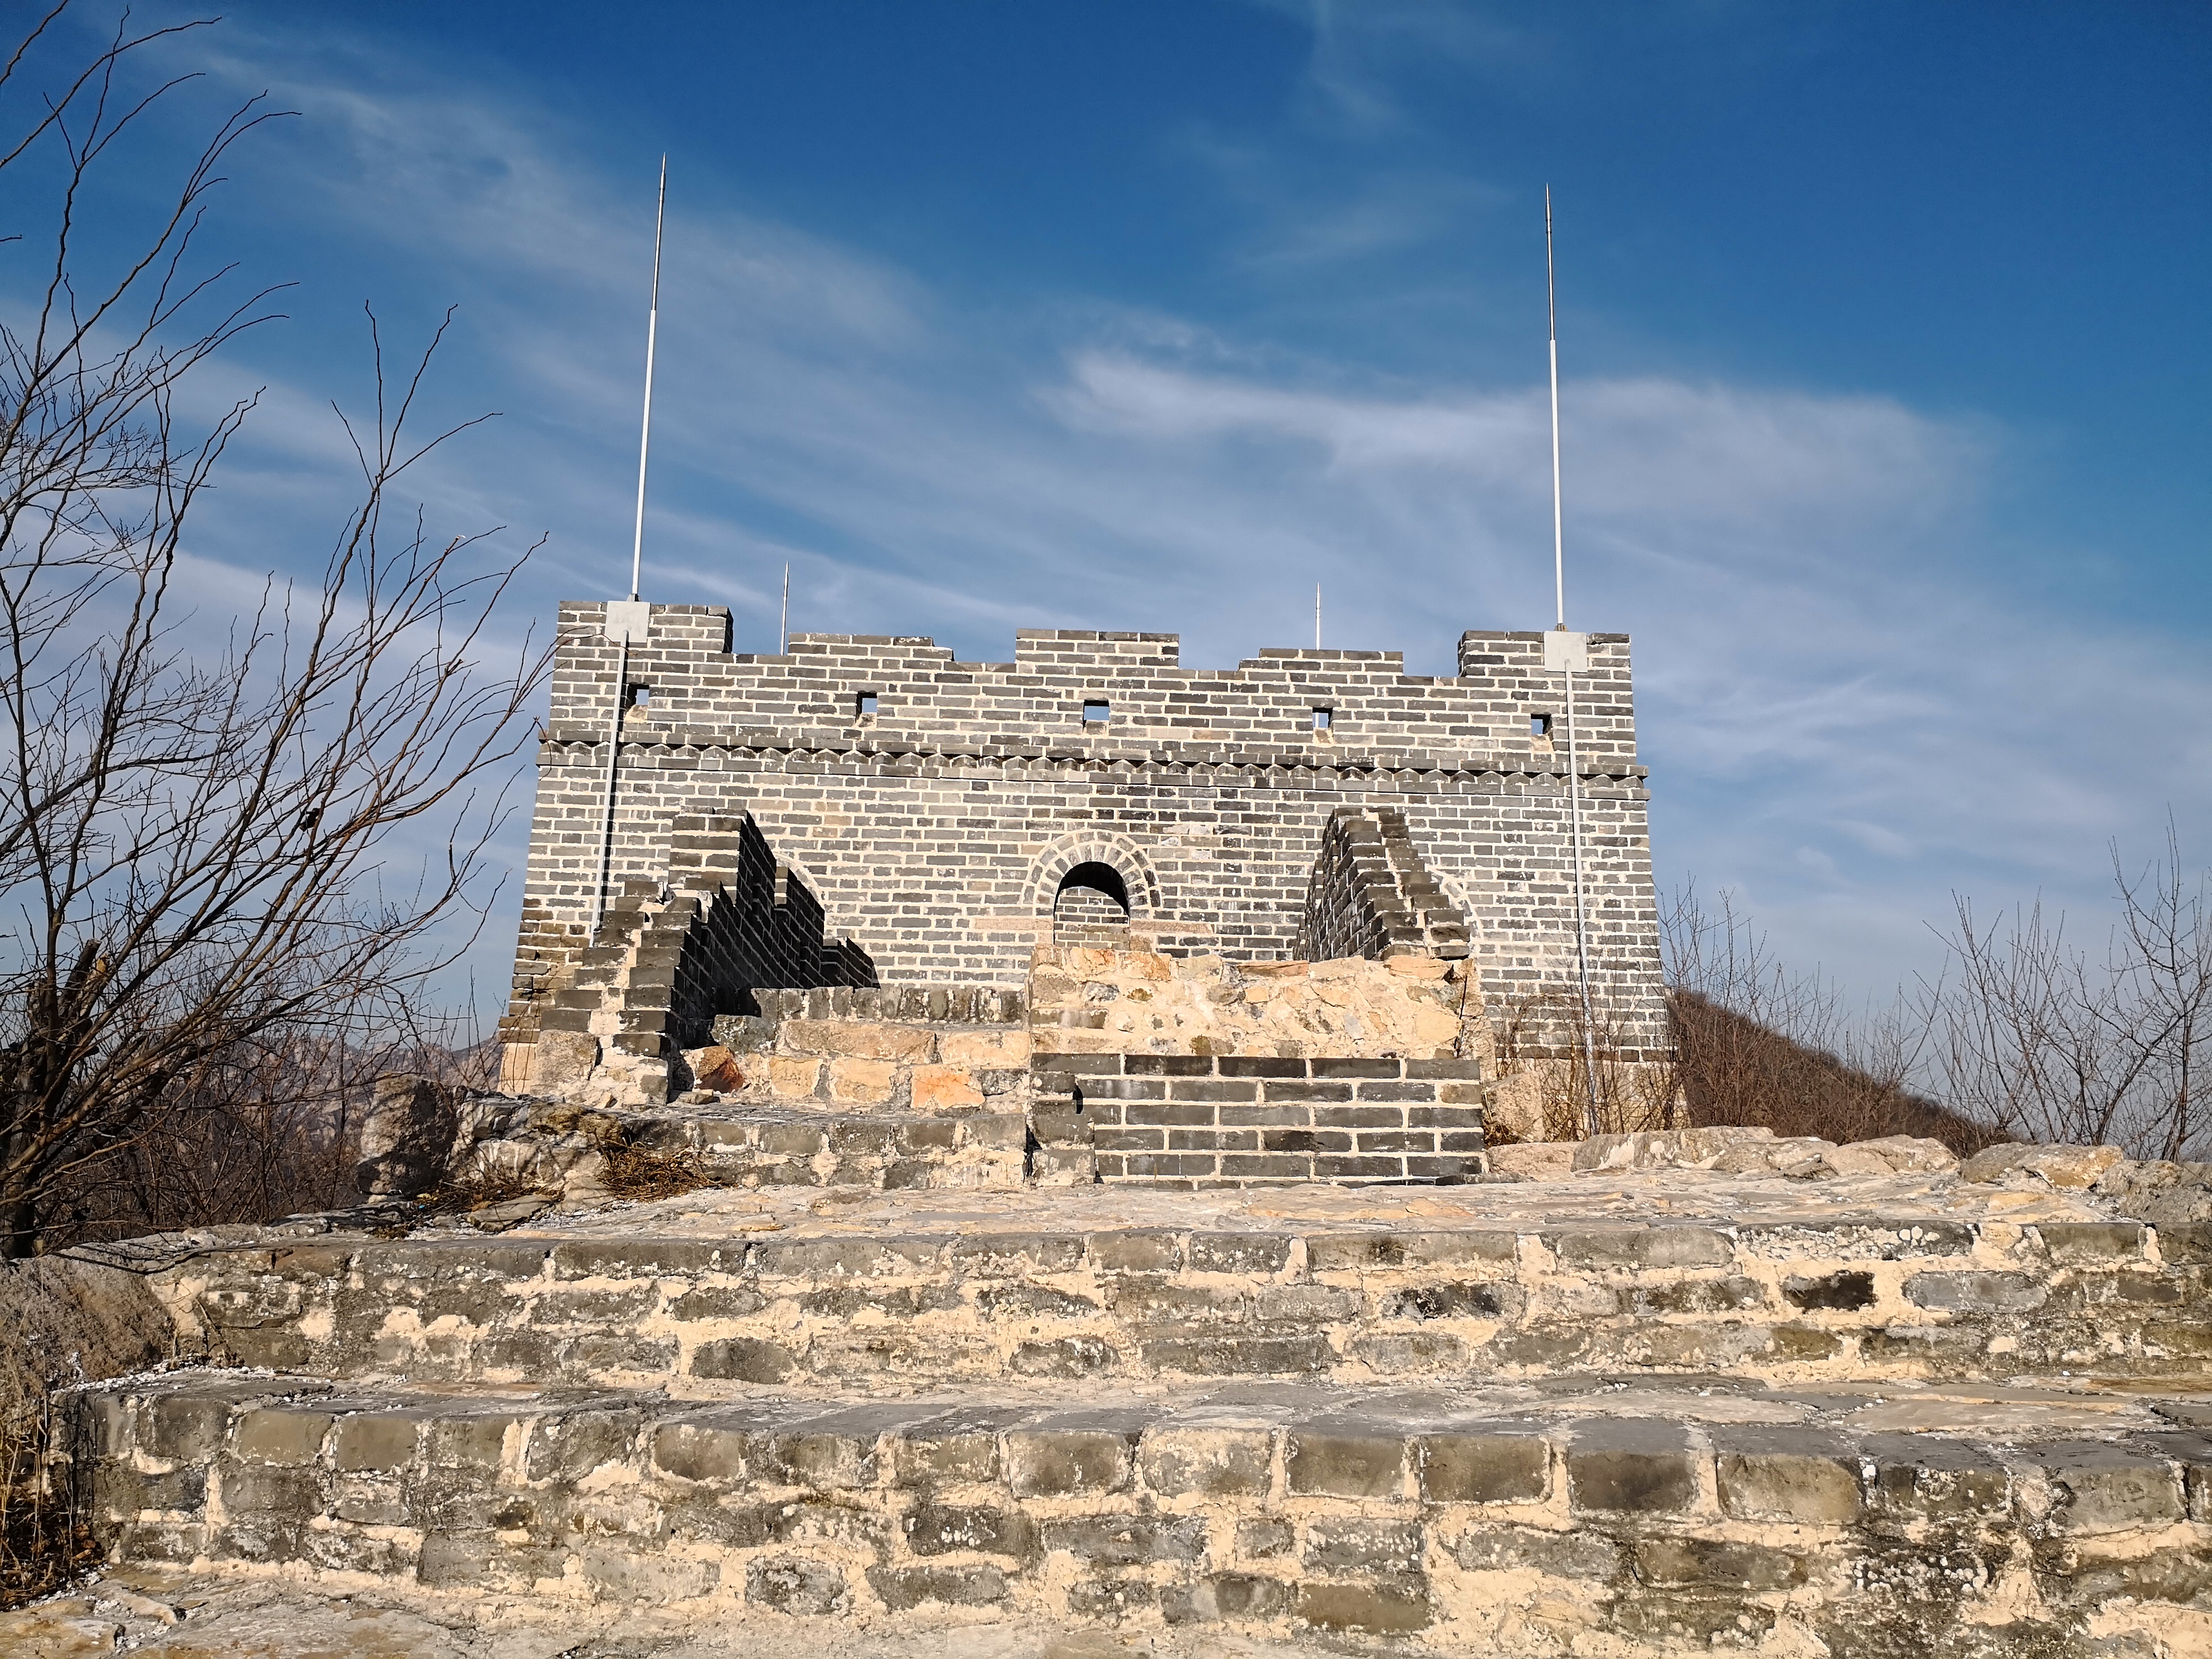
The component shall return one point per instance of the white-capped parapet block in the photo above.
(1566, 652)
(629, 620)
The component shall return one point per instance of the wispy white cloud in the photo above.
(1363, 48)
(1845, 717)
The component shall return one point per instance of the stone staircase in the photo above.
(1903, 1419)
(1371, 896)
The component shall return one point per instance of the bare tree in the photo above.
(199, 843)
(1759, 1045)
(2048, 1043)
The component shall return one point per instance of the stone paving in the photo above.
(1613, 1412)
(272, 1616)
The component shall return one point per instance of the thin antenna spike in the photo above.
(783, 622)
(1551, 306)
(1316, 616)
(652, 332)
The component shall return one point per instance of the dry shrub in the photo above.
(642, 1174)
(481, 1192)
(62, 1323)
(1734, 1070)
(45, 1542)
(1541, 1052)
(1759, 1045)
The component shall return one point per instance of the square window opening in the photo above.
(864, 704)
(1539, 726)
(1095, 712)
(1323, 718)
(640, 696)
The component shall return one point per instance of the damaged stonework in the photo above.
(406, 1139)
(666, 961)
(1346, 1071)
(941, 810)
(1661, 1521)
(1412, 1006)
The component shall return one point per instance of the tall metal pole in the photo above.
(1316, 616)
(607, 827)
(1574, 761)
(783, 622)
(637, 565)
(652, 329)
(1558, 534)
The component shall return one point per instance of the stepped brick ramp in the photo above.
(1625, 1413)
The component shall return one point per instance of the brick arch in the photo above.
(1093, 847)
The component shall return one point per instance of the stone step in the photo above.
(1594, 1515)
(911, 1292)
(748, 1145)
(765, 1147)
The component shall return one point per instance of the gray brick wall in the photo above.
(934, 829)
(1228, 1121)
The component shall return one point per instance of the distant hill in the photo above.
(1736, 1071)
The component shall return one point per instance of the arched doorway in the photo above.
(1092, 909)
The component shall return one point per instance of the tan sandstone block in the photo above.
(562, 1060)
(987, 1051)
(857, 1039)
(944, 1089)
(1418, 967)
(861, 1082)
(793, 1079)
(2068, 1168)
(1435, 1025)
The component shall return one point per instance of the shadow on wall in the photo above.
(1092, 909)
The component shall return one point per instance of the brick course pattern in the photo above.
(935, 829)
(1204, 1120)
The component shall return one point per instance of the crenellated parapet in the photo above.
(944, 811)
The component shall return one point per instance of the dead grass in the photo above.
(461, 1197)
(44, 1543)
(1734, 1070)
(641, 1175)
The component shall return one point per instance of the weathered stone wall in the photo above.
(1829, 1300)
(731, 919)
(1654, 1527)
(934, 1049)
(936, 829)
(1084, 1001)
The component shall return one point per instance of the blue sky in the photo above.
(1884, 341)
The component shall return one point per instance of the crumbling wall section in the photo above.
(939, 1050)
(1086, 1002)
(664, 964)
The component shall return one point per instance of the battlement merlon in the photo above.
(1503, 711)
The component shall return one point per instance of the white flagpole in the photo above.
(652, 329)
(1558, 534)
(783, 622)
(1574, 762)
(637, 565)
